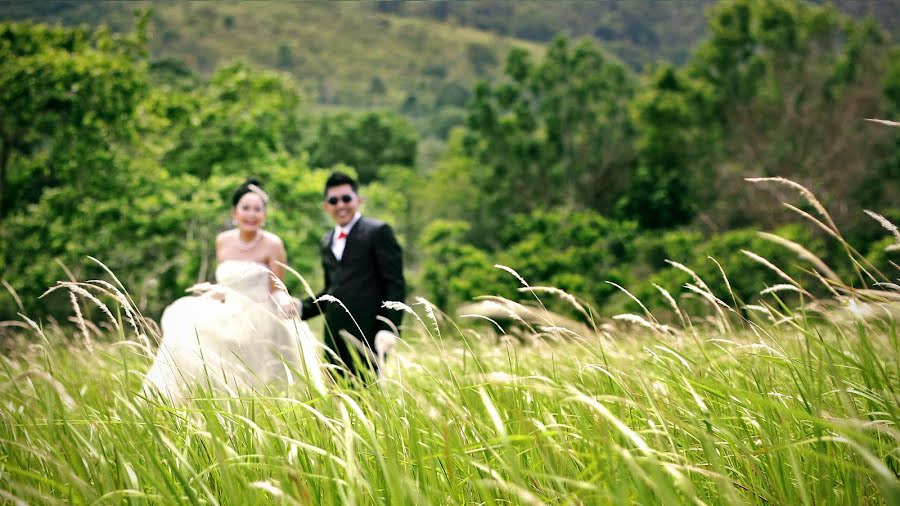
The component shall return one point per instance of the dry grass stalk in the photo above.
(699, 282)
(498, 309)
(803, 253)
(723, 322)
(558, 292)
(725, 277)
(708, 296)
(639, 303)
(15, 295)
(884, 223)
(813, 219)
(775, 269)
(878, 294)
(513, 272)
(884, 122)
(130, 314)
(121, 289)
(74, 287)
(808, 195)
(830, 228)
(671, 300)
(80, 320)
(429, 312)
(308, 289)
(781, 287)
(664, 330)
(483, 317)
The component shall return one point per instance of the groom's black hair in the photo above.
(338, 178)
(244, 189)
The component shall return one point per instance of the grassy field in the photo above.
(791, 400)
(786, 407)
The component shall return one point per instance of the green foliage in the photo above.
(454, 95)
(481, 57)
(576, 251)
(638, 33)
(660, 191)
(786, 86)
(65, 97)
(456, 271)
(364, 141)
(136, 170)
(884, 255)
(746, 277)
(311, 41)
(239, 115)
(451, 191)
(557, 133)
(98, 145)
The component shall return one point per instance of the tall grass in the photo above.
(775, 403)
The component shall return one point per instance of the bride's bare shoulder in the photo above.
(227, 235)
(271, 238)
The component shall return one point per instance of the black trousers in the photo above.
(353, 354)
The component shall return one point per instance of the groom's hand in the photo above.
(384, 342)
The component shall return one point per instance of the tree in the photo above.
(558, 133)
(789, 87)
(456, 272)
(668, 117)
(573, 251)
(65, 96)
(365, 142)
(239, 115)
(136, 169)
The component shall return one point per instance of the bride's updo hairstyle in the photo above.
(251, 185)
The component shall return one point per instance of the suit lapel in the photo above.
(352, 237)
(326, 245)
(328, 240)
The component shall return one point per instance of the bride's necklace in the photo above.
(248, 245)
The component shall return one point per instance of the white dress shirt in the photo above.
(338, 245)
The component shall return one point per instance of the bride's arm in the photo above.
(290, 305)
(277, 260)
(220, 242)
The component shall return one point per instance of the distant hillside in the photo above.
(341, 53)
(638, 32)
(419, 58)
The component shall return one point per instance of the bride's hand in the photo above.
(209, 290)
(289, 306)
(200, 288)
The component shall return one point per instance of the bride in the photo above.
(243, 331)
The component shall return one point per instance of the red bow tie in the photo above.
(342, 235)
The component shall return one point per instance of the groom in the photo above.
(363, 266)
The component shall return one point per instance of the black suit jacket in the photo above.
(369, 273)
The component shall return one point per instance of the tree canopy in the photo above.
(570, 168)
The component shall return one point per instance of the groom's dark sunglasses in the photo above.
(345, 198)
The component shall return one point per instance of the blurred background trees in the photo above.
(573, 161)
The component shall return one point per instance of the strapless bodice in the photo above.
(248, 278)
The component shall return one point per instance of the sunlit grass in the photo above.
(785, 401)
(788, 414)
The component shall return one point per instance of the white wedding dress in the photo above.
(232, 337)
